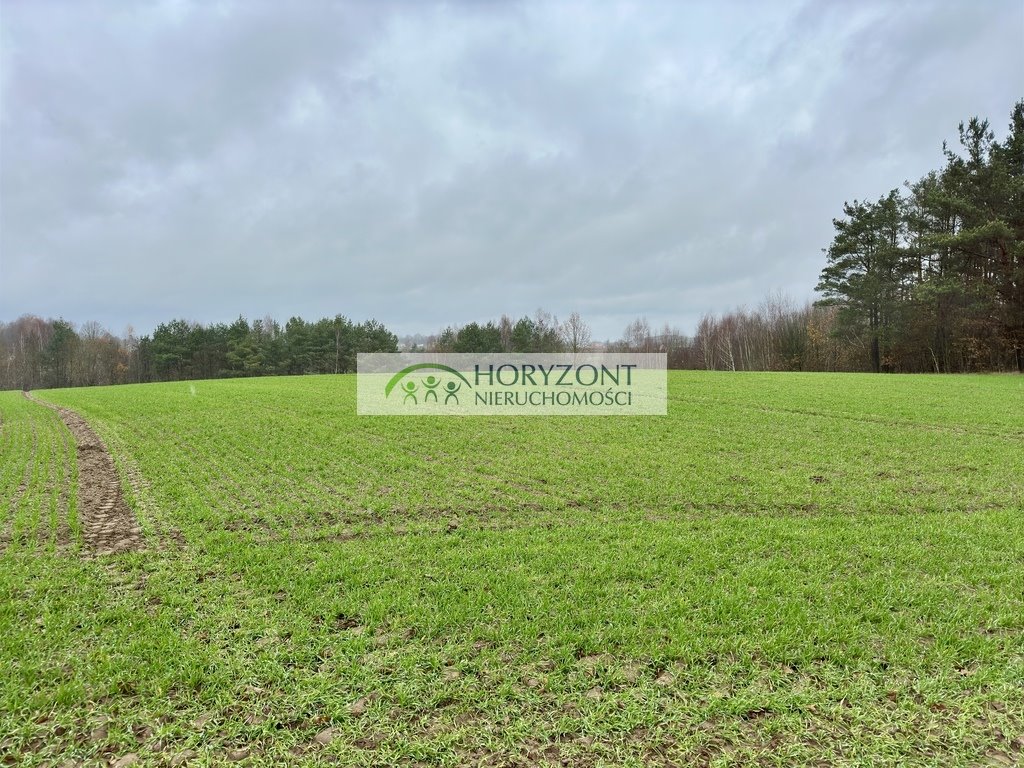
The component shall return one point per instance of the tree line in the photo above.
(932, 278)
(540, 333)
(37, 353)
(776, 336)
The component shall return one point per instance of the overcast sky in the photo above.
(432, 164)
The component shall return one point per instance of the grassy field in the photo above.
(787, 569)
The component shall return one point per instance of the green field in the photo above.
(787, 569)
(38, 477)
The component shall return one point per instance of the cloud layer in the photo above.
(434, 164)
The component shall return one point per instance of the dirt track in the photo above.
(108, 523)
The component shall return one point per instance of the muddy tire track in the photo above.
(107, 523)
(63, 536)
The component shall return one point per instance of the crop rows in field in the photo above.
(290, 459)
(785, 569)
(38, 477)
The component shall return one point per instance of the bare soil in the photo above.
(108, 524)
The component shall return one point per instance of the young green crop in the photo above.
(38, 477)
(785, 569)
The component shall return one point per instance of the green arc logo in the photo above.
(420, 366)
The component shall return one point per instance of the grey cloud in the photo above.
(431, 164)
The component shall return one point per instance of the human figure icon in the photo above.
(452, 387)
(431, 384)
(410, 392)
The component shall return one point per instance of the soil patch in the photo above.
(107, 522)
